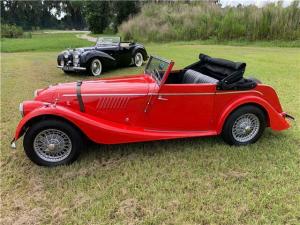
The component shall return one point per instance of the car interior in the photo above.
(226, 74)
(126, 44)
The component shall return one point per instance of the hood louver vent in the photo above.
(112, 103)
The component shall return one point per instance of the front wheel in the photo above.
(52, 143)
(244, 126)
(138, 59)
(95, 67)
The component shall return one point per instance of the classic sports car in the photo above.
(209, 97)
(109, 52)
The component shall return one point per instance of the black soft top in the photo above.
(229, 73)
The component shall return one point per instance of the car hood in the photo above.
(129, 85)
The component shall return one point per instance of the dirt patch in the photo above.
(235, 174)
(86, 37)
(130, 211)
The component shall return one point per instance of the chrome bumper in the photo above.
(72, 68)
(288, 116)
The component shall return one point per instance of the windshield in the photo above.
(108, 40)
(156, 67)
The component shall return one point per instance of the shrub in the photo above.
(11, 31)
(181, 21)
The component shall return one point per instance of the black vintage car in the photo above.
(109, 52)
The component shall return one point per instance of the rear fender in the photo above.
(140, 49)
(276, 119)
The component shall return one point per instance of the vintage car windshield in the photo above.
(108, 41)
(156, 67)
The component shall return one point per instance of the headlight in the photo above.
(66, 54)
(21, 109)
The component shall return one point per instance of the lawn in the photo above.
(42, 42)
(191, 181)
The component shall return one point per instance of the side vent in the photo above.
(112, 103)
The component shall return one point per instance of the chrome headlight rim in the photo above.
(21, 109)
(66, 54)
(76, 54)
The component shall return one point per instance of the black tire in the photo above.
(141, 59)
(89, 67)
(227, 132)
(72, 133)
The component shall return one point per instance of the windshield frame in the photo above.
(167, 71)
(108, 43)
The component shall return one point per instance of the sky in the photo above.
(258, 3)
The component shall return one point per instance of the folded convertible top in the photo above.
(228, 73)
(222, 62)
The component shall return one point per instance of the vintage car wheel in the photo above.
(52, 143)
(138, 59)
(244, 126)
(95, 67)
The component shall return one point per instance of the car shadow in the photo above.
(105, 154)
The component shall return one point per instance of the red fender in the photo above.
(276, 119)
(102, 131)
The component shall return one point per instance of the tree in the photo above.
(124, 9)
(28, 14)
(74, 17)
(97, 15)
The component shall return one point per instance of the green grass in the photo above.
(43, 42)
(57, 42)
(190, 181)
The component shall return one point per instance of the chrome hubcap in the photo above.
(52, 145)
(138, 59)
(246, 127)
(96, 67)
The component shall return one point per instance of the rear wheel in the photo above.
(52, 143)
(95, 67)
(138, 59)
(244, 126)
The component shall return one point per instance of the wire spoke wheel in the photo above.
(138, 59)
(245, 127)
(52, 145)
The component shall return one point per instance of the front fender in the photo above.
(86, 56)
(99, 130)
(276, 119)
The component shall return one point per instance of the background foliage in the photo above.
(158, 20)
(194, 21)
(11, 31)
(94, 15)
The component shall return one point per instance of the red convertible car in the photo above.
(209, 97)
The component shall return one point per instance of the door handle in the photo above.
(162, 98)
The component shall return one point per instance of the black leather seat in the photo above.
(194, 77)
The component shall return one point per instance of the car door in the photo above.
(182, 107)
(124, 55)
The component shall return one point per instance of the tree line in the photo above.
(97, 16)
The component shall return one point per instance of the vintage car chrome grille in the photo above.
(112, 102)
(75, 58)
